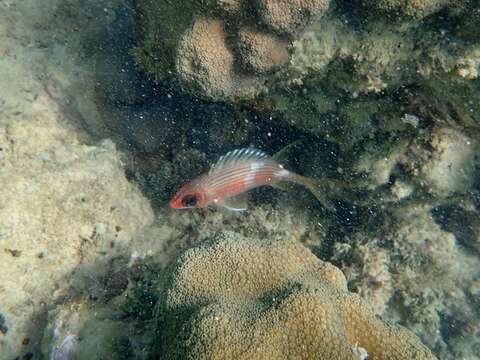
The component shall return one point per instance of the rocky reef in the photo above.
(62, 218)
(289, 303)
(414, 263)
(392, 88)
(220, 49)
(328, 69)
(108, 106)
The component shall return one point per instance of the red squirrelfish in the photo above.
(233, 175)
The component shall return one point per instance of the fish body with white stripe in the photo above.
(233, 175)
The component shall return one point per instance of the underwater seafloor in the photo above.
(108, 106)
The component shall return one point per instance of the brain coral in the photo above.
(237, 298)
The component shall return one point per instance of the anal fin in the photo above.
(235, 203)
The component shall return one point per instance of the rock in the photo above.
(66, 208)
(422, 258)
(410, 8)
(80, 330)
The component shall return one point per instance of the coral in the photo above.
(440, 162)
(377, 164)
(429, 266)
(261, 221)
(344, 67)
(205, 61)
(238, 298)
(217, 50)
(289, 17)
(445, 161)
(339, 76)
(368, 271)
(461, 218)
(261, 52)
(230, 7)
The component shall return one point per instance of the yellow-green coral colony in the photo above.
(238, 298)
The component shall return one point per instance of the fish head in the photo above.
(189, 196)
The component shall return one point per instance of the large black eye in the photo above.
(189, 201)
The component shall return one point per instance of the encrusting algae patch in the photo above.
(237, 298)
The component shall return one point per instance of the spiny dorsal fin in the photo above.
(237, 156)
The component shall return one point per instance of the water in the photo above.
(108, 107)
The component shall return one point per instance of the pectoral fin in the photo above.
(235, 203)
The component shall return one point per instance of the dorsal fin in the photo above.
(237, 156)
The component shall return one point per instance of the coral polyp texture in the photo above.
(262, 52)
(290, 16)
(237, 298)
(206, 61)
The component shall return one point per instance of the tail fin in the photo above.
(320, 188)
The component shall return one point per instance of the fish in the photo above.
(234, 174)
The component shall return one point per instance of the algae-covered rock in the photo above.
(80, 330)
(440, 162)
(422, 258)
(220, 49)
(65, 207)
(322, 69)
(410, 8)
(235, 297)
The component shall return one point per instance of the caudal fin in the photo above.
(322, 189)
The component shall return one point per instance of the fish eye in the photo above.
(189, 201)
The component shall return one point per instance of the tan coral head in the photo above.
(236, 298)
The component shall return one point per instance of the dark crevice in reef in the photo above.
(172, 136)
